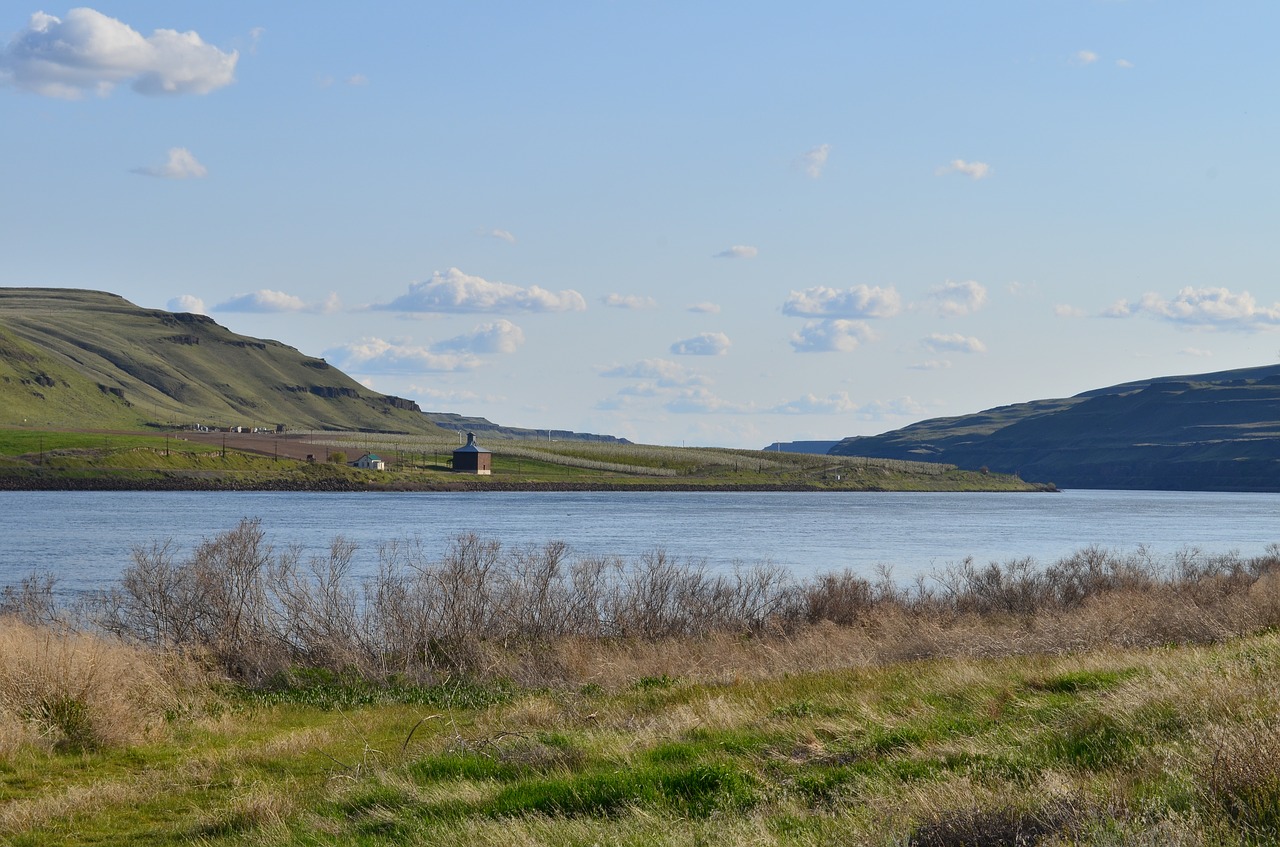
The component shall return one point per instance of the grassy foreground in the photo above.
(499, 697)
(1151, 746)
(60, 459)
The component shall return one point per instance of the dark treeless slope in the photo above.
(1213, 432)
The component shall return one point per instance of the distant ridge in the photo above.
(816, 448)
(73, 358)
(1215, 432)
(482, 426)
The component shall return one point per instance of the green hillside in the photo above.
(1216, 431)
(89, 359)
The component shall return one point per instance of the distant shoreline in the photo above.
(50, 482)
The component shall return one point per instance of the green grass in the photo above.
(416, 463)
(927, 750)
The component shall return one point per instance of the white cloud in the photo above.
(931, 365)
(89, 51)
(255, 37)
(861, 301)
(957, 343)
(698, 401)
(265, 300)
(629, 301)
(663, 372)
(1063, 310)
(376, 356)
(182, 164)
(703, 344)
(815, 160)
(704, 308)
(1123, 63)
(831, 336)
(186, 303)
(811, 404)
(501, 235)
(500, 336)
(455, 291)
(1204, 307)
(445, 397)
(958, 298)
(358, 80)
(977, 170)
(1085, 57)
(737, 251)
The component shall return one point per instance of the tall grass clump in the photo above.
(75, 691)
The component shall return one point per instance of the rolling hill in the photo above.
(89, 359)
(1210, 432)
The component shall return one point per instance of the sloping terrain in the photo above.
(1216, 431)
(89, 359)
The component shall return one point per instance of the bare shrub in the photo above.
(31, 601)
(482, 609)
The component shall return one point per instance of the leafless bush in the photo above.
(31, 601)
(256, 611)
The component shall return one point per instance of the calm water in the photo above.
(85, 538)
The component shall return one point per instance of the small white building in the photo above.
(371, 462)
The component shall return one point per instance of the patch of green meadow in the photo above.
(1098, 746)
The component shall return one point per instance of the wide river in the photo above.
(85, 539)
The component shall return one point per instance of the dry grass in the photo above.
(74, 691)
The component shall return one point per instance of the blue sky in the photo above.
(682, 223)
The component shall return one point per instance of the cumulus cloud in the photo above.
(629, 301)
(703, 344)
(700, 401)
(831, 336)
(90, 52)
(737, 251)
(976, 170)
(958, 298)
(662, 372)
(186, 303)
(501, 235)
(265, 300)
(704, 308)
(955, 343)
(812, 404)
(455, 291)
(377, 356)
(1085, 57)
(500, 336)
(1218, 308)
(182, 164)
(815, 160)
(861, 301)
